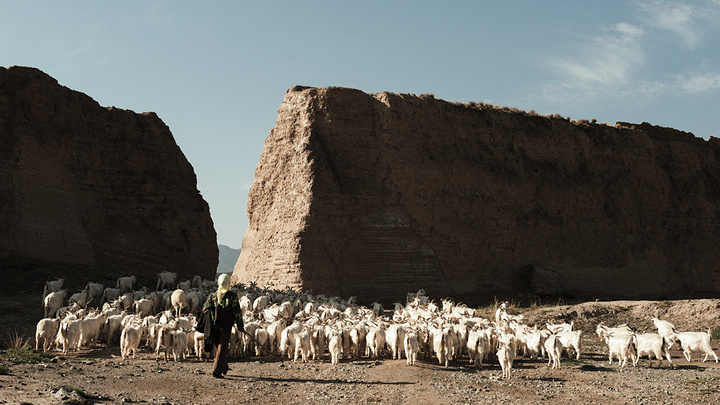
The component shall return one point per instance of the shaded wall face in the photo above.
(412, 192)
(104, 188)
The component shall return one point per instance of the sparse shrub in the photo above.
(715, 333)
(4, 369)
(16, 340)
(664, 304)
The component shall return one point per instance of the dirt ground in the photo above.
(99, 375)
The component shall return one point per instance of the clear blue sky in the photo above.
(216, 71)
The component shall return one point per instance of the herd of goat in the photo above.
(305, 326)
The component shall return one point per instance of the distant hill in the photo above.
(228, 258)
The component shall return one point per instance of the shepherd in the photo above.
(220, 312)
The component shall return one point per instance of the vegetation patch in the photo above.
(76, 389)
(4, 369)
(26, 356)
(715, 333)
(709, 380)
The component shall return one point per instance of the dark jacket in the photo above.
(211, 333)
(225, 313)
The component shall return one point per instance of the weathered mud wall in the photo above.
(376, 195)
(100, 187)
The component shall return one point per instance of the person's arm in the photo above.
(237, 311)
(209, 306)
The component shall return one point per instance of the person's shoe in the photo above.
(218, 375)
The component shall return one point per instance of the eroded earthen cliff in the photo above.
(376, 195)
(103, 188)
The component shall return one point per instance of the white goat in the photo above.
(143, 307)
(375, 341)
(553, 348)
(302, 346)
(395, 338)
(110, 294)
(690, 341)
(80, 298)
(196, 281)
(179, 301)
(90, 329)
(125, 284)
(505, 354)
(260, 303)
(560, 327)
(652, 344)
(334, 346)
(194, 298)
(69, 333)
(274, 332)
(130, 339)
(166, 280)
(665, 328)
(53, 286)
(261, 342)
(535, 343)
(184, 285)
(46, 330)
(624, 347)
(200, 346)
(245, 304)
(124, 301)
(412, 347)
(95, 292)
(164, 340)
(179, 344)
(571, 341)
(440, 345)
(287, 339)
(53, 301)
(476, 346)
(317, 341)
(604, 331)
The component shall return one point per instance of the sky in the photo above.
(216, 71)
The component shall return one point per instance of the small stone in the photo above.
(62, 394)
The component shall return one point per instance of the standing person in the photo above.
(224, 310)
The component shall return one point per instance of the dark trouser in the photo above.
(221, 351)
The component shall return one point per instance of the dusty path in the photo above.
(103, 377)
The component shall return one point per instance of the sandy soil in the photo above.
(103, 377)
